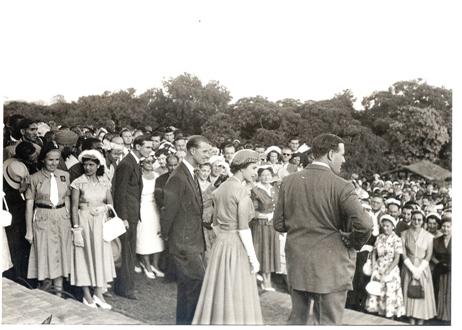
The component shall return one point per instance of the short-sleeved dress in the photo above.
(416, 251)
(265, 238)
(390, 302)
(93, 264)
(50, 254)
(229, 293)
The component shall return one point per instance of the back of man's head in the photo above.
(323, 143)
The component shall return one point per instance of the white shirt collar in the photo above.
(136, 157)
(320, 164)
(189, 167)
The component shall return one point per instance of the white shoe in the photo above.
(148, 273)
(92, 305)
(100, 303)
(138, 269)
(157, 272)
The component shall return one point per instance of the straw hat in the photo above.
(14, 171)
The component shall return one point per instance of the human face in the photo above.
(387, 227)
(406, 197)
(172, 163)
(446, 228)
(162, 160)
(116, 154)
(180, 145)
(432, 225)
(293, 145)
(201, 154)
(273, 158)
(337, 158)
(98, 146)
(146, 164)
(393, 210)
(155, 142)
(145, 149)
(266, 177)
(217, 169)
(295, 160)
(30, 133)
(204, 172)
(90, 167)
(406, 213)
(229, 153)
(417, 220)
(51, 160)
(286, 155)
(127, 138)
(170, 137)
(376, 204)
(250, 172)
(181, 154)
(261, 152)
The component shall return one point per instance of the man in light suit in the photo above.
(127, 187)
(181, 225)
(325, 223)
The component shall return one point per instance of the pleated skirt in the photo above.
(267, 246)
(425, 308)
(229, 294)
(444, 297)
(93, 264)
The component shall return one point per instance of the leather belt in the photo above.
(46, 206)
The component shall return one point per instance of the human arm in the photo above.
(425, 261)
(29, 215)
(173, 194)
(120, 186)
(278, 214)
(244, 211)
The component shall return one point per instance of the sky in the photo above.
(306, 50)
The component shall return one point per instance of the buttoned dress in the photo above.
(50, 255)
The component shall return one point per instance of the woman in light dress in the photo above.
(149, 243)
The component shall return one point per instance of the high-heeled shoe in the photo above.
(92, 305)
(157, 272)
(100, 303)
(148, 273)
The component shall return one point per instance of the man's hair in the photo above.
(195, 140)
(25, 123)
(88, 143)
(172, 156)
(141, 139)
(229, 146)
(324, 143)
(124, 130)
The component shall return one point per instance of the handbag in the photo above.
(113, 227)
(374, 287)
(367, 267)
(415, 290)
(5, 215)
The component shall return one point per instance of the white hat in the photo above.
(303, 148)
(392, 201)
(433, 214)
(93, 154)
(215, 158)
(273, 148)
(387, 217)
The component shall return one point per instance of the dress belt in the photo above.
(46, 206)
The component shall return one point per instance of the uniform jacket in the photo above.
(314, 205)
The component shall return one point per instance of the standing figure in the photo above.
(325, 223)
(128, 185)
(93, 263)
(181, 225)
(48, 221)
(418, 249)
(229, 294)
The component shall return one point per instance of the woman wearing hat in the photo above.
(93, 263)
(385, 257)
(265, 238)
(442, 271)
(274, 158)
(432, 225)
(161, 164)
(15, 182)
(149, 244)
(48, 224)
(417, 252)
(229, 293)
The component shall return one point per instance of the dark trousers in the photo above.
(124, 284)
(19, 251)
(328, 308)
(190, 270)
(356, 298)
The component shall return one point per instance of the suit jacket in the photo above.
(181, 217)
(127, 187)
(313, 206)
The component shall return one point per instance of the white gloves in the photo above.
(246, 238)
(420, 269)
(410, 266)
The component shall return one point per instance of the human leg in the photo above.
(300, 307)
(329, 308)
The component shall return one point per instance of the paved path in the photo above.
(23, 306)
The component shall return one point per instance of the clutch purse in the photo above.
(374, 288)
(415, 290)
(113, 227)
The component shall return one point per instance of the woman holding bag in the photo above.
(92, 260)
(417, 252)
(385, 257)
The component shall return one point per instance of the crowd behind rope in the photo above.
(62, 183)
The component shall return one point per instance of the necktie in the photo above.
(54, 198)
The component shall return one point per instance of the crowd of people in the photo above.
(221, 220)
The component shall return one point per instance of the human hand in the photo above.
(29, 236)
(24, 184)
(77, 237)
(254, 265)
(126, 224)
(345, 238)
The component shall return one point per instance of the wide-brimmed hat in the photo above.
(273, 148)
(14, 171)
(92, 154)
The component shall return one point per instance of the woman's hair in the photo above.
(24, 150)
(277, 153)
(160, 152)
(100, 170)
(262, 169)
(47, 147)
(235, 168)
(206, 165)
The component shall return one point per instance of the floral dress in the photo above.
(390, 302)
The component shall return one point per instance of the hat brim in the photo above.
(15, 185)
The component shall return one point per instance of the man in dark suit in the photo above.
(181, 225)
(325, 223)
(127, 188)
